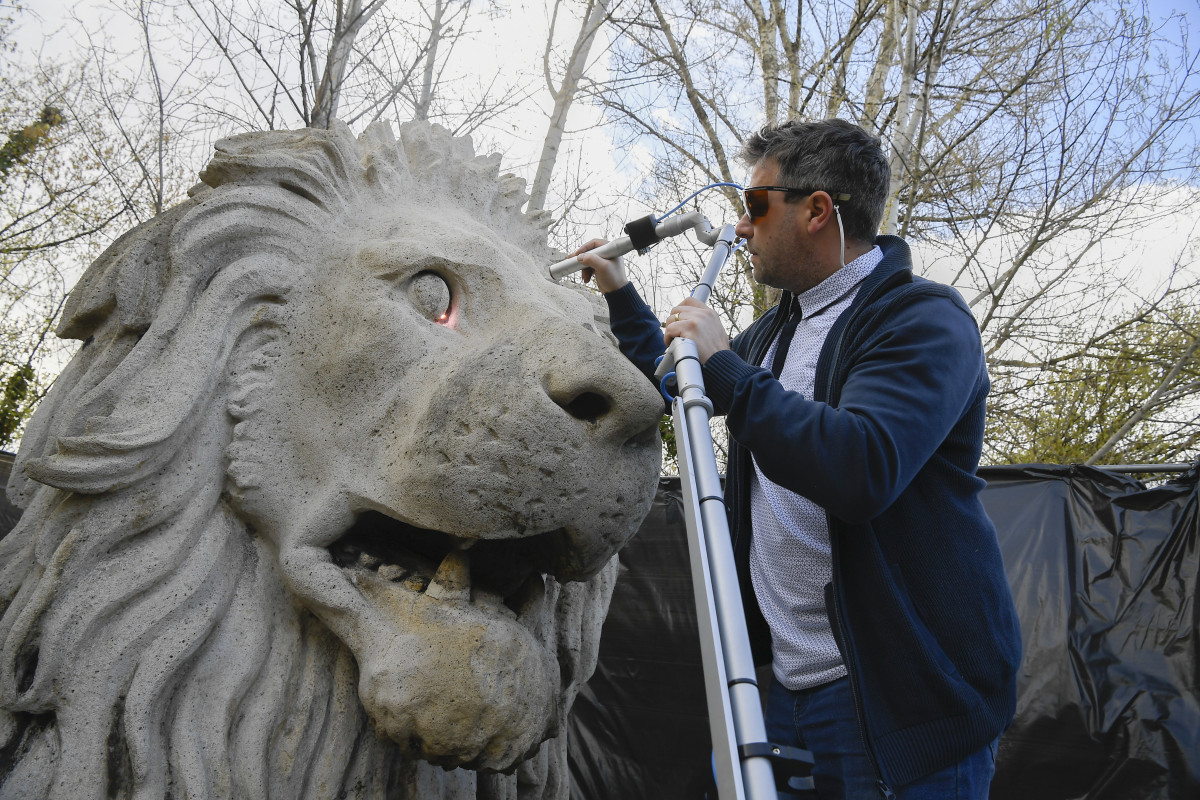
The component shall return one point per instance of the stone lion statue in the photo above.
(326, 504)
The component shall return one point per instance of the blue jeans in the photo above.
(822, 720)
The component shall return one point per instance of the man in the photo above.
(871, 575)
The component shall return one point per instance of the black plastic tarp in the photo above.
(1104, 574)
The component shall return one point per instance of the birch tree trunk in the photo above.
(425, 97)
(564, 94)
(350, 20)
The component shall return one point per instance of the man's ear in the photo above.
(820, 211)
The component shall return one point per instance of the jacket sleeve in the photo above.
(905, 388)
(638, 331)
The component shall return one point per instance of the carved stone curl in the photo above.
(328, 498)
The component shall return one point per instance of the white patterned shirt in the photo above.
(790, 560)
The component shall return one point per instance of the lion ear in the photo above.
(141, 415)
(109, 309)
(126, 282)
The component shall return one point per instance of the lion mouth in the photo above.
(502, 576)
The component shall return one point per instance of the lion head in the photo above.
(329, 494)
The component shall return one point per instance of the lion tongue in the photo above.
(452, 581)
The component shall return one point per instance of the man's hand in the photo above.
(693, 320)
(609, 273)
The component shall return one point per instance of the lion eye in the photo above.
(430, 295)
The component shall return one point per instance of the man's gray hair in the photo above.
(835, 156)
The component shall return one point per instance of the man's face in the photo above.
(780, 244)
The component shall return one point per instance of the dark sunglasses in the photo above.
(756, 198)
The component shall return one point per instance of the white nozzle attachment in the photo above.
(615, 248)
(673, 226)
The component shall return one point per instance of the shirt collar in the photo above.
(839, 284)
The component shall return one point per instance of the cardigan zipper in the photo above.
(840, 633)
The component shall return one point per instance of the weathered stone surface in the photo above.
(329, 496)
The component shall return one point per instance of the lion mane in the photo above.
(145, 651)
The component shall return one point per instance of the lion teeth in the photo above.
(452, 581)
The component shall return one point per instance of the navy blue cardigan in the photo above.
(888, 446)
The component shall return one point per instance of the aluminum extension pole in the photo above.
(734, 709)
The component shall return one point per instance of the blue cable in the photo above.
(737, 186)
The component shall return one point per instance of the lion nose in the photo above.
(587, 406)
(601, 388)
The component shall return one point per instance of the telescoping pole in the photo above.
(741, 754)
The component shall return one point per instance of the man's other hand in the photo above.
(693, 320)
(608, 273)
